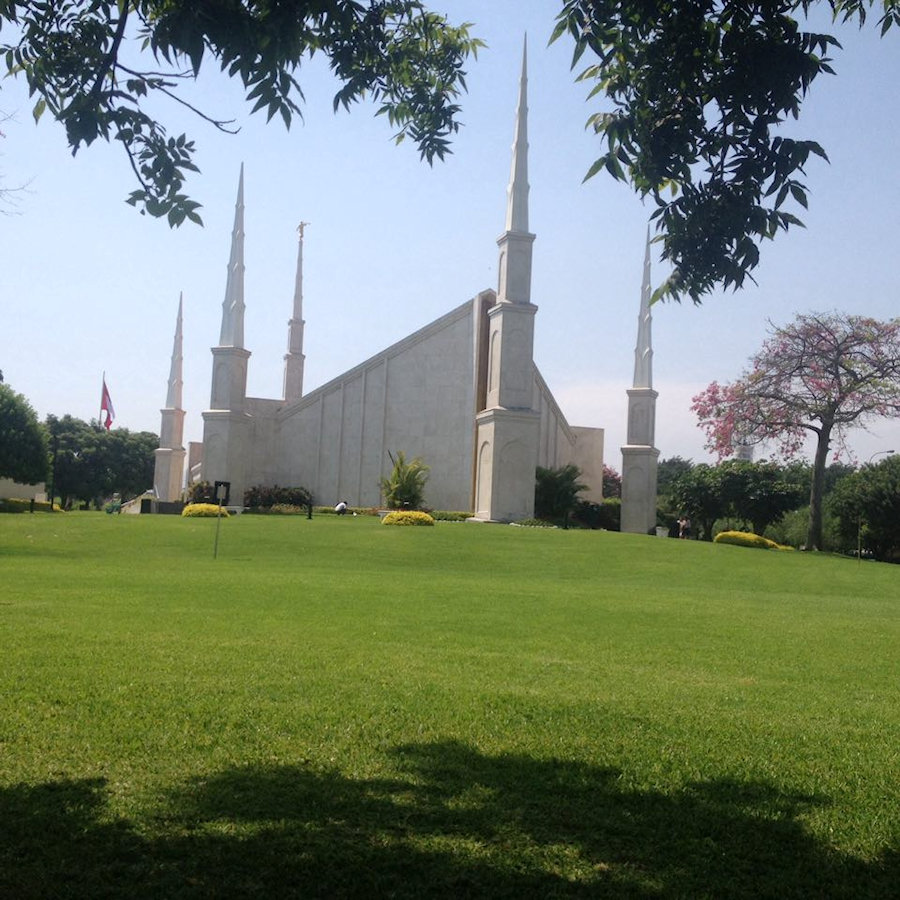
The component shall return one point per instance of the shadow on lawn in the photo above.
(457, 824)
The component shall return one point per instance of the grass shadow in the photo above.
(453, 823)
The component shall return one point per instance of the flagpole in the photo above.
(102, 386)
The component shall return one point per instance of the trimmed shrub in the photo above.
(534, 523)
(262, 497)
(351, 511)
(407, 517)
(18, 505)
(204, 509)
(747, 539)
(450, 515)
(286, 509)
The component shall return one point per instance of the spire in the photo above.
(643, 351)
(173, 398)
(298, 278)
(517, 192)
(168, 468)
(232, 333)
(514, 270)
(294, 358)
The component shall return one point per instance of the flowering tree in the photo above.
(612, 482)
(820, 376)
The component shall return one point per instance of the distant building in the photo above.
(14, 490)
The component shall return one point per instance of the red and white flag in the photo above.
(106, 406)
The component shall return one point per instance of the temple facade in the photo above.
(463, 393)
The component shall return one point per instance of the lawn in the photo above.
(334, 708)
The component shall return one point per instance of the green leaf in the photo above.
(799, 195)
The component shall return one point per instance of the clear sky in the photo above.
(88, 285)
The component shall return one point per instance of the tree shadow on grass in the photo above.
(455, 823)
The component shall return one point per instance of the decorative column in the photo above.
(294, 359)
(168, 472)
(639, 456)
(507, 429)
(226, 422)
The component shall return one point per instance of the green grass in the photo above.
(332, 708)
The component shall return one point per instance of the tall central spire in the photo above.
(508, 427)
(514, 281)
(517, 192)
(643, 351)
(232, 333)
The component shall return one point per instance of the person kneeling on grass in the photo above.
(341, 508)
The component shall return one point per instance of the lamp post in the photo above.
(859, 520)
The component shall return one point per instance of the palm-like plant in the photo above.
(404, 488)
(556, 491)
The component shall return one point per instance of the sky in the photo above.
(88, 285)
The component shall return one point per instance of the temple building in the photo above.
(463, 393)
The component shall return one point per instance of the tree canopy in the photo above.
(91, 463)
(819, 376)
(23, 443)
(699, 90)
(97, 65)
(867, 504)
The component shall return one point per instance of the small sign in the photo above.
(223, 490)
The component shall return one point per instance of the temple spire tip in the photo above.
(517, 192)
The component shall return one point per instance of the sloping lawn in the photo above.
(334, 708)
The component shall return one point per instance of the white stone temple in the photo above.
(463, 393)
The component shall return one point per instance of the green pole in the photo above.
(218, 524)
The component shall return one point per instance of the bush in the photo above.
(201, 492)
(18, 505)
(607, 514)
(204, 509)
(286, 509)
(405, 487)
(450, 515)
(407, 517)
(793, 529)
(262, 497)
(747, 539)
(534, 523)
(556, 491)
(351, 511)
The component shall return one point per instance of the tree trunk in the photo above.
(817, 489)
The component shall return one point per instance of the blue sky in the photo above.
(88, 285)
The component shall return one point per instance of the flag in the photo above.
(106, 406)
